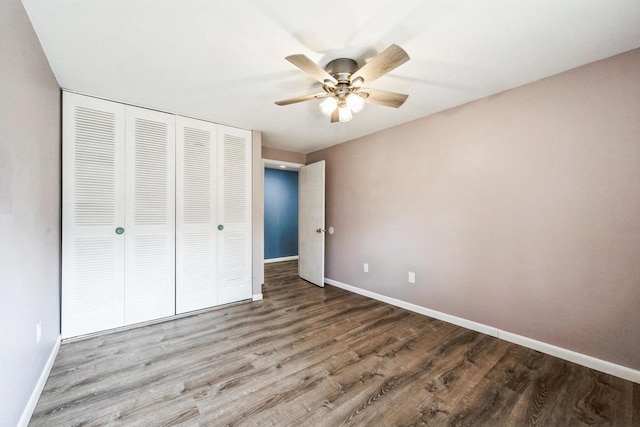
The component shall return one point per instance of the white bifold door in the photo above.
(213, 208)
(234, 214)
(118, 235)
(196, 214)
(156, 215)
(93, 200)
(149, 215)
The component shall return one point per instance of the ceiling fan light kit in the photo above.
(355, 102)
(328, 105)
(344, 114)
(342, 82)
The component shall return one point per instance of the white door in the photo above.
(311, 223)
(196, 214)
(234, 214)
(150, 215)
(92, 211)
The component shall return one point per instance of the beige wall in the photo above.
(29, 209)
(520, 211)
(283, 155)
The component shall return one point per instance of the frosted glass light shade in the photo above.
(328, 105)
(344, 114)
(355, 102)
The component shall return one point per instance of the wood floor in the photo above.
(321, 357)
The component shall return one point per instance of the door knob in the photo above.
(119, 230)
(221, 227)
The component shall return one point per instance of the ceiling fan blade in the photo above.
(311, 68)
(382, 97)
(387, 60)
(335, 117)
(301, 99)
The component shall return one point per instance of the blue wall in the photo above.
(280, 213)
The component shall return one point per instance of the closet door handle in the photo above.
(221, 227)
(119, 230)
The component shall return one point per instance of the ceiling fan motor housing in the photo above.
(341, 69)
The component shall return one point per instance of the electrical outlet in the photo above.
(38, 331)
(412, 277)
(366, 267)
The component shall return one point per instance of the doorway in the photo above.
(281, 195)
(294, 216)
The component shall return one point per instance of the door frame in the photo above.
(275, 164)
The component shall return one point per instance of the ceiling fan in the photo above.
(342, 82)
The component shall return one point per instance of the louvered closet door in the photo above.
(234, 214)
(92, 209)
(196, 214)
(150, 215)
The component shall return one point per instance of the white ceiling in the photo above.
(224, 60)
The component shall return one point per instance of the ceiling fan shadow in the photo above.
(289, 79)
(430, 82)
(307, 38)
(321, 43)
(401, 25)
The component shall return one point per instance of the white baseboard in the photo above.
(573, 356)
(35, 395)
(256, 297)
(284, 258)
(474, 326)
(562, 353)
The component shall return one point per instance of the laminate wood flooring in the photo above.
(321, 357)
